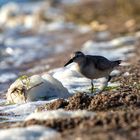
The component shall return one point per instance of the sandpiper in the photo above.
(93, 66)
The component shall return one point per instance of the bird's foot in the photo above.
(92, 90)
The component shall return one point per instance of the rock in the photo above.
(26, 89)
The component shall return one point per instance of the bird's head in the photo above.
(76, 57)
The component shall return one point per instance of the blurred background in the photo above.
(37, 35)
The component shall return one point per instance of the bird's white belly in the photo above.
(100, 74)
(93, 73)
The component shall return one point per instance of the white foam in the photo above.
(115, 73)
(71, 79)
(19, 112)
(118, 48)
(6, 77)
(59, 25)
(103, 35)
(115, 53)
(29, 133)
(55, 114)
(23, 109)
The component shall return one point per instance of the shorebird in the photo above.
(93, 66)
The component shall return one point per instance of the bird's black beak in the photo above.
(69, 62)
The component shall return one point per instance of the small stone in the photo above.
(126, 74)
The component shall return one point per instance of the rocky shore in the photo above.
(75, 113)
(117, 113)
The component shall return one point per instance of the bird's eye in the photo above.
(78, 54)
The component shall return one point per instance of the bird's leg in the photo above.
(92, 86)
(109, 78)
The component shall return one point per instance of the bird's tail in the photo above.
(116, 63)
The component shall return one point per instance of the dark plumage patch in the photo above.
(100, 62)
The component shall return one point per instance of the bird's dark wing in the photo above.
(100, 62)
